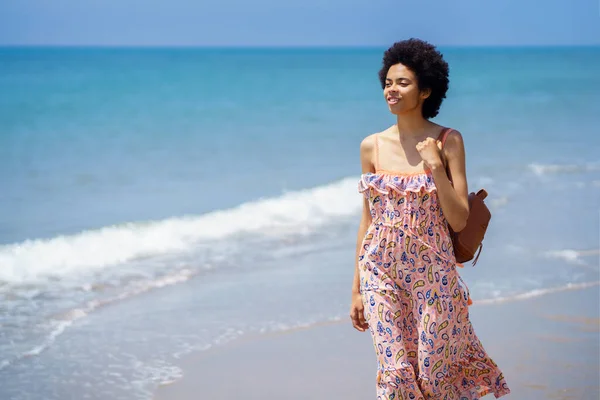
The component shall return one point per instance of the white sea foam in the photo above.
(64, 321)
(572, 256)
(550, 169)
(537, 293)
(302, 211)
(499, 202)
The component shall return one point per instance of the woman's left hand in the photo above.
(430, 151)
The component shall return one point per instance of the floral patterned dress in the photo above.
(415, 304)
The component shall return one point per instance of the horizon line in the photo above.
(283, 47)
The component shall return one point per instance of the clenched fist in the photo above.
(430, 152)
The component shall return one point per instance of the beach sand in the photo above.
(548, 348)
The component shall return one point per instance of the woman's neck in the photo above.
(412, 127)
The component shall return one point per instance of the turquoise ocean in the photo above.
(158, 202)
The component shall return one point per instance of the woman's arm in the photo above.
(453, 190)
(365, 221)
(356, 307)
(366, 157)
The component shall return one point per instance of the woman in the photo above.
(406, 289)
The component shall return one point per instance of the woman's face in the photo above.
(401, 91)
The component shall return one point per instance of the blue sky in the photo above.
(299, 23)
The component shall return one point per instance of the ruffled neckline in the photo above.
(383, 181)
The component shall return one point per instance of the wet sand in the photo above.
(548, 348)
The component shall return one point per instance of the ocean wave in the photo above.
(552, 169)
(33, 261)
(572, 256)
(537, 293)
(59, 324)
(499, 202)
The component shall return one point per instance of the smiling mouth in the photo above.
(393, 100)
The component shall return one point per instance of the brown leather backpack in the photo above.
(470, 238)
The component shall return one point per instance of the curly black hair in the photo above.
(428, 65)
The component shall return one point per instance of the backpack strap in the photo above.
(442, 138)
(444, 135)
(478, 253)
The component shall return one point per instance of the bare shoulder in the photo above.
(454, 143)
(368, 144)
(367, 153)
(454, 137)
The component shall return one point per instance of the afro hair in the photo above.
(428, 65)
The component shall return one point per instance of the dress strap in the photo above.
(444, 135)
(376, 153)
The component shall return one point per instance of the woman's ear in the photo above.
(425, 93)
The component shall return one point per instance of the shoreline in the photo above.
(547, 346)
